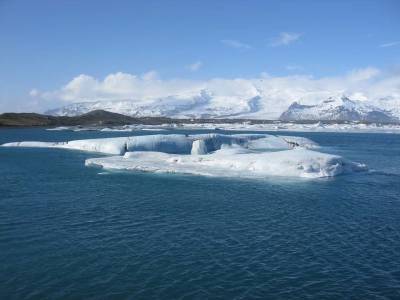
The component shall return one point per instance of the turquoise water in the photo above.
(72, 232)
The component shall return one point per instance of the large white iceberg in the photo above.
(107, 145)
(234, 162)
(174, 143)
(244, 155)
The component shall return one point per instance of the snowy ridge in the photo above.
(202, 105)
(337, 109)
(255, 105)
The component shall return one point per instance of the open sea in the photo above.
(72, 232)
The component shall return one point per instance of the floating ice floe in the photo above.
(106, 146)
(244, 155)
(299, 127)
(174, 143)
(60, 128)
(234, 163)
(351, 127)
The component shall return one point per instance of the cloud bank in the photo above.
(277, 93)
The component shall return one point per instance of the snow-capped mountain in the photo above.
(203, 105)
(338, 109)
(257, 104)
(391, 104)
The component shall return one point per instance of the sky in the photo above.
(50, 48)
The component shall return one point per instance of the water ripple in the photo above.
(76, 235)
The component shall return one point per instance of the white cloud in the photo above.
(368, 84)
(264, 75)
(293, 67)
(151, 75)
(285, 38)
(235, 44)
(194, 66)
(363, 74)
(34, 93)
(391, 44)
(119, 86)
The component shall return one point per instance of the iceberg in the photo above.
(106, 146)
(239, 155)
(34, 144)
(355, 127)
(234, 162)
(173, 143)
(168, 143)
(60, 128)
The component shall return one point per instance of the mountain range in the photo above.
(338, 109)
(206, 105)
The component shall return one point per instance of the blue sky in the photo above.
(44, 44)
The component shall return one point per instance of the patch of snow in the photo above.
(339, 108)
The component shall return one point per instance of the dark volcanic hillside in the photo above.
(105, 118)
(25, 119)
(93, 118)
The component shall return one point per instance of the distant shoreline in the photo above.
(105, 118)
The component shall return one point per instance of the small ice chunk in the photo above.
(198, 147)
(60, 128)
(32, 144)
(107, 145)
